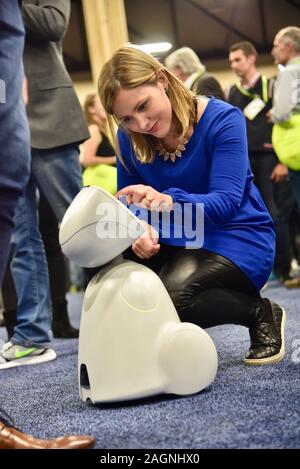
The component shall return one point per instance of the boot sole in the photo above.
(275, 358)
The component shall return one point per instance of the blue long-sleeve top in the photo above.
(214, 171)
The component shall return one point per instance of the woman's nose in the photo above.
(143, 122)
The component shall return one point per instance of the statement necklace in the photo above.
(173, 154)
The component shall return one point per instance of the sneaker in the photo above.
(16, 355)
(267, 336)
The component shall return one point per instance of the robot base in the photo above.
(132, 343)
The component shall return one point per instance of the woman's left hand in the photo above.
(147, 197)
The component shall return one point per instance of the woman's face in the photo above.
(145, 109)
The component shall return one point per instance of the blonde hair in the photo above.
(130, 67)
(186, 59)
(88, 102)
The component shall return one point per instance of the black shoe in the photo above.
(61, 326)
(267, 336)
(64, 330)
(10, 321)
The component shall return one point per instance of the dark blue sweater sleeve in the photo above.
(228, 153)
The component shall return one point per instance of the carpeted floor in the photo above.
(246, 407)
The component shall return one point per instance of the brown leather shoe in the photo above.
(11, 438)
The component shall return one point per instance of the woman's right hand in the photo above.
(147, 245)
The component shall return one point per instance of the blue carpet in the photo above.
(246, 407)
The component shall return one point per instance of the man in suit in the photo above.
(57, 127)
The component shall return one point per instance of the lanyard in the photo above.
(265, 96)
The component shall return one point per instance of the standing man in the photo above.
(57, 128)
(186, 65)
(286, 102)
(253, 95)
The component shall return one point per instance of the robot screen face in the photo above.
(97, 228)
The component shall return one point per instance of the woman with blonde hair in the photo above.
(182, 156)
(98, 156)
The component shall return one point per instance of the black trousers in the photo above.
(207, 289)
(280, 201)
(57, 268)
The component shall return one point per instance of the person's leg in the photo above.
(58, 175)
(57, 271)
(295, 181)
(14, 134)
(10, 301)
(30, 342)
(30, 273)
(262, 165)
(209, 290)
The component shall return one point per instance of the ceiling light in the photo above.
(155, 47)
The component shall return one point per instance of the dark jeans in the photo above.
(48, 226)
(279, 200)
(14, 131)
(207, 289)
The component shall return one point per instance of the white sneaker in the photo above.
(12, 355)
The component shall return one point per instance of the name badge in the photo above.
(254, 108)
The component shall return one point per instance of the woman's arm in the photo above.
(89, 155)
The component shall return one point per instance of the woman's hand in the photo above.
(147, 245)
(147, 197)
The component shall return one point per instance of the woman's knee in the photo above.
(182, 295)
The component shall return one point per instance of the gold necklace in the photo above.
(173, 154)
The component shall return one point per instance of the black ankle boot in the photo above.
(10, 321)
(267, 335)
(61, 327)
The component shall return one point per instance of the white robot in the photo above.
(132, 343)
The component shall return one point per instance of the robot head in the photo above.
(97, 228)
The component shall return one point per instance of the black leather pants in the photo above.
(207, 289)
